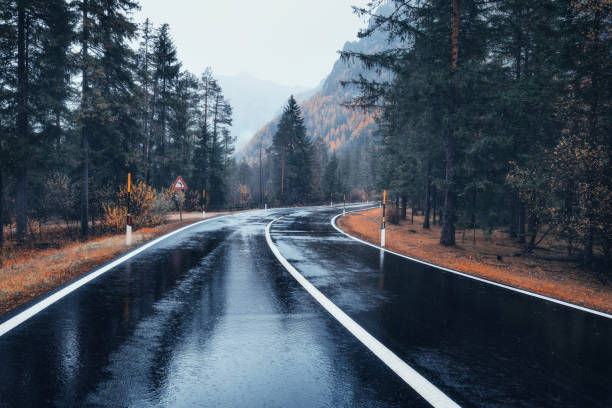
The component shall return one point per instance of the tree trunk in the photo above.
(84, 128)
(512, 223)
(22, 123)
(427, 200)
(447, 236)
(533, 230)
(1, 208)
(404, 206)
(588, 247)
(474, 215)
(455, 35)
(261, 198)
(435, 204)
(521, 224)
(21, 202)
(282, 185)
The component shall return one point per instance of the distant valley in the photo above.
(255, 101)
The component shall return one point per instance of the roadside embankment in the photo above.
(28, 272)
(491, 256)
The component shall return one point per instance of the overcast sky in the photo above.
(291, 42)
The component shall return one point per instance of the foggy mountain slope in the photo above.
(324, 116)
(254, 101)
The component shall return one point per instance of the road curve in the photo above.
(206, 317)
(209, 317)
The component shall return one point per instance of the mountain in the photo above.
(254, 101)
(324, 115)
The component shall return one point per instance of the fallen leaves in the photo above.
(28, 273)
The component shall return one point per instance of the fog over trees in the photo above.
(87, 96)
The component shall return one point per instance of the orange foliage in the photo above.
(325, 118)
(29, 272)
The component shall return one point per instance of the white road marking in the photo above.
(501, 285)
(48, 301)
(415, 380)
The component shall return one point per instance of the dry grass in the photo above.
(27, 272)
(555, 278)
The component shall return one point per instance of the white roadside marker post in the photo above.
(382, 224)
(128, 228)
(344, 206)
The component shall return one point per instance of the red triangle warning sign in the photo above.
(179, 184)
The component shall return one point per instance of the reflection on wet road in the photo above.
(208, 317)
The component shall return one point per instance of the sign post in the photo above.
(179, 184)
(344, 206)
(128, 228)
(331, 199)
(382, 224)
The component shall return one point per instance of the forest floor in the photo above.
(55, 258)
(554, 276)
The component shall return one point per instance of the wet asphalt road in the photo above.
(209, 317)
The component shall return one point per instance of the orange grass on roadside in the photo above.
(558, 279)
(27, 272)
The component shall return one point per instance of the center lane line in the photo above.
(415, 380)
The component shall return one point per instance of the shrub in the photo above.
(164, 203)
(60, 198)
(147, 207)
(358, 195)
(114, 218)
(193, 200)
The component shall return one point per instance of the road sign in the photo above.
(179, 184)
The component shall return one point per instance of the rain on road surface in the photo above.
(209, 317)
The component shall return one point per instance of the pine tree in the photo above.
(34, 84)
(332, 187)
(144, 76)
(292, 150)
(22, 126)
(202, 144)
(221, 120)
(104, 30)
(165, 76)
(438, 66)
(183, 125)
(8, 40)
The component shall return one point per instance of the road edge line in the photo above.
(467, 275)
(415, 380)
(39, 306)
